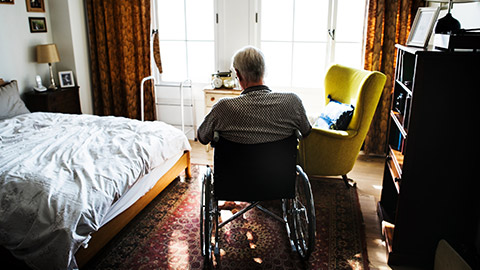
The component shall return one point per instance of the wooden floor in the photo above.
(368, 173)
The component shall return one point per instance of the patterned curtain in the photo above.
(119, 33)
(156, 51)
(389, 23)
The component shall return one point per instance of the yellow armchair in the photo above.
(334, 152)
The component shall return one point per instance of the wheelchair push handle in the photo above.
(216, 135)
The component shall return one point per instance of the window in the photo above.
(186, 33)
(300, 38)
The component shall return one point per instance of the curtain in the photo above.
(119, 36)
(156, 51)
(388, 23)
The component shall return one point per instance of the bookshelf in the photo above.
(429, 191)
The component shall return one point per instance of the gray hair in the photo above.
(250, 62)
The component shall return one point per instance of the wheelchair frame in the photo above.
(298, 217)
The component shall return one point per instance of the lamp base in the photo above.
(52, 80)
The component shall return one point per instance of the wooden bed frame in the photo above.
(101, 237)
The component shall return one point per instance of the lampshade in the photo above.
(47, 53)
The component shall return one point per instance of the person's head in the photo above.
(249, 64)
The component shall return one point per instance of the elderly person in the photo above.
(258, 115)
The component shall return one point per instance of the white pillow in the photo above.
(10, 102)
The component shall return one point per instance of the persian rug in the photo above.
(166, 234)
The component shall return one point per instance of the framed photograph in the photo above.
(37, 24)
(422, 26)
(35, 5)
(11, 2)
(66, 79)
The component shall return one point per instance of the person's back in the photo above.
(258, 115)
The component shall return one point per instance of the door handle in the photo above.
(331, 33)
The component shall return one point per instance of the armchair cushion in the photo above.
(336, 115)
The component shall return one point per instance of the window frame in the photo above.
(331, 42)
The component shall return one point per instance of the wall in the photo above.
(65, 27)
(70, 35)
(468, 14)
(17, 45)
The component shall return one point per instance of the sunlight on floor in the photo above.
(355, 264)
(258, 260)
(178, 250)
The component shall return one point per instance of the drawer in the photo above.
(211, 99)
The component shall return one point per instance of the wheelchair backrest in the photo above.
(255, 172)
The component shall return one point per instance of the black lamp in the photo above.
(447, 24)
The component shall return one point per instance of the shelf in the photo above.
(173, 102)
(395, 165)
(420, 163)
(397, 158)
(398, 119)
(387, 231)
(417, 50)
(404, 87)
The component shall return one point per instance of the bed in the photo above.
(69, 183)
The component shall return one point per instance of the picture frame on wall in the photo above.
(66, 79)
(35, 5)
(37, 24)
(422, 26)
(10, 2)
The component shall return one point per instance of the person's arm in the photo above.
(304, 125)
(206, 128)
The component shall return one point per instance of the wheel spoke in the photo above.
(303, 216)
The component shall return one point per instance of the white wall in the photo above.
(70, 35)
(17, 45)
(468, 14)
(65, 27)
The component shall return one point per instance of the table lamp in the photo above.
(48, 53)
(448, 24)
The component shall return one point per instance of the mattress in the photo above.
(60, 174)
(142, 186)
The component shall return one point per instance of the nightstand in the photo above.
(63, 100)
(214, 95)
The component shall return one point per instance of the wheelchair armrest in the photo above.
(337, 134)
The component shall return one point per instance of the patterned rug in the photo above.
(165, 235)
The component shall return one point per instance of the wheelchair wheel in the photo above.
(208, 222)
(299, 213)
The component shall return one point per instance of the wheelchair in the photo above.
(252, 173)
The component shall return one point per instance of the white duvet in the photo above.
(60, 173)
